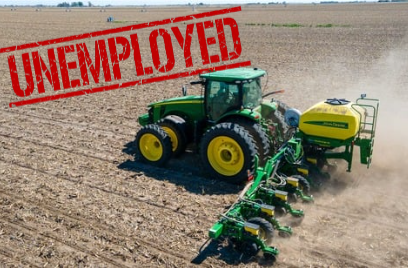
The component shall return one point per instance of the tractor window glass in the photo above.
(221, 98)
(252, 94)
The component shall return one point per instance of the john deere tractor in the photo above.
(229, 124)
(279, 151)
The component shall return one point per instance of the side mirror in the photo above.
(184, 90)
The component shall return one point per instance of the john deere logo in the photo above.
(328, 124)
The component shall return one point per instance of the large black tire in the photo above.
(153, 145)
(259, 135)
(279, 118)
(175, 128)
(228, 152)
(304, 184)
(265, 229)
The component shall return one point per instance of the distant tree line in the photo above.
(73, 4)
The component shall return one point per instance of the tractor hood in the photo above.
(178, 100)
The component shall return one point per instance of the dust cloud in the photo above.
(388, 81)
(365, 211)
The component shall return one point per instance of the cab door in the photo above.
(220, 98)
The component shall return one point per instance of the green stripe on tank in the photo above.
(342, 125)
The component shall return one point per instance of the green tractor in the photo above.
(280, 152)
(229, 124)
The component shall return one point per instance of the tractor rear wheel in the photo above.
(153, 145)
(265, 229)
(259, 135)
(228, 152)
(279, 118)
(175, 128)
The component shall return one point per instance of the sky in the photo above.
(151, 2)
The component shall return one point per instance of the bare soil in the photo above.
(71, 193)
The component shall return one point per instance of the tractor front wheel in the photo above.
(285, 133)
(228, 152)
(153, 145)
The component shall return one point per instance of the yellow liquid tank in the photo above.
(336, 119)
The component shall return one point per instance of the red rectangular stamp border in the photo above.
(121, 29)
(129, 84)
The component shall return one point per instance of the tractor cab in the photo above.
(231, 91)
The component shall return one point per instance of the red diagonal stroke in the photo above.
(121, 29)
(129, 84)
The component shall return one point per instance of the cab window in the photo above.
(221, 98)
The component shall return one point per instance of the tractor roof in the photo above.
(232, 75)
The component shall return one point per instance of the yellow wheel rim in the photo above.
(151, 147)
(173, 137)
(225, 156)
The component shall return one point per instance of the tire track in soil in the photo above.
(10, 245)
(87, 153)
(33, 231)
(9, 255)
(95, 224)
(142, 241)
(328, 209)
(323, 207)
(65, 124)
(72, 109)
(91, 154)
(344, 214)
(160, 206)
(108, 152)
(97, 227)
(79, 119)
(148, 202)
(66, 149)
(151, 168)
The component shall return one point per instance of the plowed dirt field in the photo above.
(71, 194)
